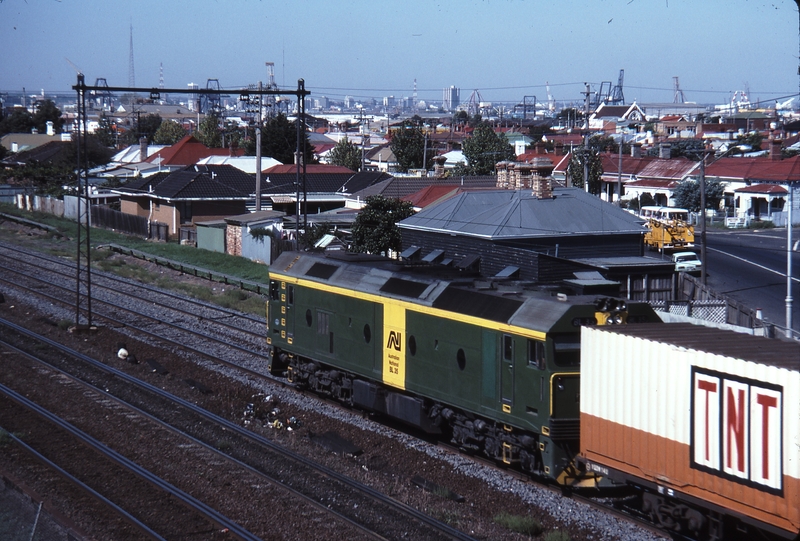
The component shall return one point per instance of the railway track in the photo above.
(254, 460)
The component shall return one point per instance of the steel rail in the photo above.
(130, 519)
(165, 425)
(242, 432)
(210, 513)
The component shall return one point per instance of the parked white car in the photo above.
(687, 262)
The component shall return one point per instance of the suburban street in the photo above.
(750, 266)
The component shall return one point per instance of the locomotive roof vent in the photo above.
(410, 253)
(433, 257)
(511, 271)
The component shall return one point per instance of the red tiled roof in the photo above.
(763, 188)
(757, 169)
(188, 151)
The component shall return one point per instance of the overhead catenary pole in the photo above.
(83, 289)
(586, 94)
(703, 259)
(258, 151)
(789, 331)
(84, 255)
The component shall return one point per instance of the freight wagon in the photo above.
(492, 365)
(704, 423)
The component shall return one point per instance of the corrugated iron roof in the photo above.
(516, 214)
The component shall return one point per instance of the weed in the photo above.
(520, 524)
(448, 517)
(64, 324)
(557, 535)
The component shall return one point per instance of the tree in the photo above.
(19, 121)
(146, 127)
(169, 133)
(687, 195)
(575, 168)
(408, 145)
(346, 154)
(279, 141)
(105, 132)
(375, 228)
(47, 111)
(209, 132)
(485, 148)
(752, 139)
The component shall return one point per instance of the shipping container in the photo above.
(706, 415)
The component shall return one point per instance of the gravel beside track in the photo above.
(389, 459)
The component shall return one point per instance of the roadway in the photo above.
(749, 265)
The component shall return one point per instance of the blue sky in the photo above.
(505, 49)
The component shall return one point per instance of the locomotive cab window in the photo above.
(567, 351)
(508, 348)
(274, 290)
(536, 354)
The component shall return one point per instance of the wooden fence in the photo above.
(128, 223)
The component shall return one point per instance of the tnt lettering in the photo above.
(395, 339)
(737, 427)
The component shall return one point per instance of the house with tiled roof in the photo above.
(323, 187)
(758, 188)
(607, 117)
(188, 151)
(183, 197)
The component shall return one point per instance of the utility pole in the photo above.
(703, 276)
(586, 95)
(258, 149)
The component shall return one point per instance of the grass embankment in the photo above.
(222, 294)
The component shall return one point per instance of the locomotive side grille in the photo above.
(565, 429)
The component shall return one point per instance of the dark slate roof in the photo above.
(196, 185)
(196, 182)
(143, 184)
(54, 151)
(230, 176)
(400, 187)
(335, 182)
(510, 214)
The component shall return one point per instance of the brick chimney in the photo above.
(541, 186)
(663, 150)
(775, 149)
(559, 149)
(636, 150)
(540, 180)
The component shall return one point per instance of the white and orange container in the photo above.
(703, 414)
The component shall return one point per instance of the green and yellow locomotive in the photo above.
(494, 368)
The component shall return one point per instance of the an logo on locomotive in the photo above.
(395, 341)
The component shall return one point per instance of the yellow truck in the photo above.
(667, 228)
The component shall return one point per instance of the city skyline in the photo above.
(504, 49)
